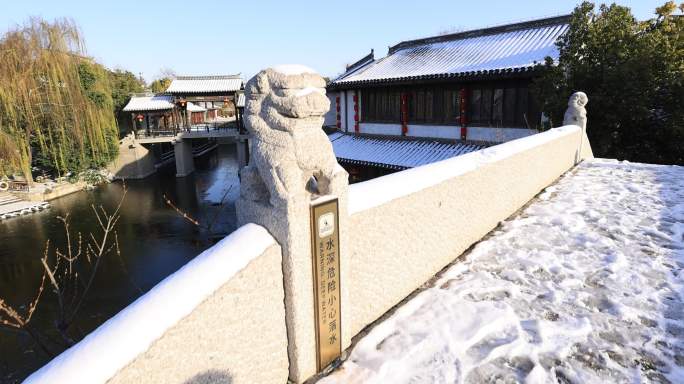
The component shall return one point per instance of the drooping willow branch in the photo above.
(55, 103)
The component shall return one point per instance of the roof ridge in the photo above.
(535, 23)
(363, 60)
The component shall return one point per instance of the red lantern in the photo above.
(140, 118)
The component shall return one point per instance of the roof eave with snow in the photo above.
(393, 152)
(155, 103)
(203, 85)
(507, 51)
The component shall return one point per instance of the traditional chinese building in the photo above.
(215, 94)
(239, 112)
(198, 114)
(468, 88)
(153, 113)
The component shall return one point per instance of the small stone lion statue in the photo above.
(290, 155)
(576, 114)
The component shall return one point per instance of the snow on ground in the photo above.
(585, 285)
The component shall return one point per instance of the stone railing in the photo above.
(248, 311)
(409, 225)
(219, 319)
(395, 232)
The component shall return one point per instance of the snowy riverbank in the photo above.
(12, 206)
(584, 286)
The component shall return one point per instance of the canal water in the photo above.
(154, 240)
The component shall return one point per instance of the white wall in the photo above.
(496, 135)
(331, 116)
(349, 119)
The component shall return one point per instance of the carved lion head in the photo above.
(294, 91)
(578, 99)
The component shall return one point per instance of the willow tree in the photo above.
(55, 103)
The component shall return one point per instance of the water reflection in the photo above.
(155, 241)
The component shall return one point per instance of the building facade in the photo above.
(468, 86)
(152, 113)
(215, 95)
(189, 101)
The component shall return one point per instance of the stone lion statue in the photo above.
(576, 114)
(290, 155)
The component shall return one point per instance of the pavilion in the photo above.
(209, 92)
(154, 113)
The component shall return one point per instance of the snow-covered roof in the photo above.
(205, 84)
(149, 103)
(395, 153)
(195, 108)
(240, 101)
(361, 63)
(508, 48)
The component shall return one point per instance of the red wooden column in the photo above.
(404, 114)
(356, 111)
(463, 117)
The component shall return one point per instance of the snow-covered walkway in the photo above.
(585, 285)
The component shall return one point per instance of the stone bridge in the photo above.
(248, 310)
(135, 161)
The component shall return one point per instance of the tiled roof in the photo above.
(240, 101)
(395, 153)
(195, 108)
(507, 48)
(149, 103)
(204, 84)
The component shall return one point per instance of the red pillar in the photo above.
(463, 116)
(404, 114)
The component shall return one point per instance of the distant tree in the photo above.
(160, 85)
(123, 84)
(633, 73)
(164, 78)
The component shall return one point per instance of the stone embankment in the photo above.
(51, 190)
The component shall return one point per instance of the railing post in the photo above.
(576, 114)
(291, 169)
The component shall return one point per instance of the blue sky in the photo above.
(225, 37)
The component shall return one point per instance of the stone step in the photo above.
(21, 208)
(8, 200)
